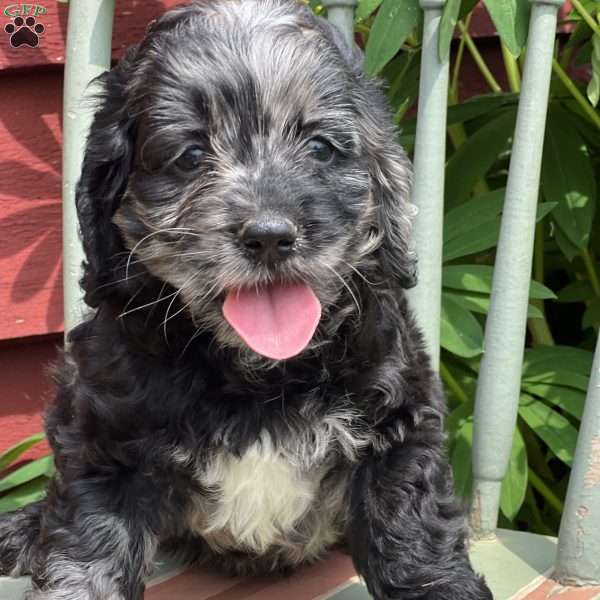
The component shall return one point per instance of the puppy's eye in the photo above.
(320, 150)
(191, 159)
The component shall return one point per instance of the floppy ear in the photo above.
(351, 53)
(391, 186)
(105, 170)
(391, 171)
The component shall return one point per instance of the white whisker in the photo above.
(128, 312)
(345, 284)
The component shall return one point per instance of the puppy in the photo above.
(251, 388)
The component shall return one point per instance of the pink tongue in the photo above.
(275, 321)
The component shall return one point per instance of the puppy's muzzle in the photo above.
(269, 238)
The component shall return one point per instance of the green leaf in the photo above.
(593, 88)
(514, 484)
(543, 209)
(401, 73)
(533, 312)
(465, 218)
(464, 375)
(591, 316)
(579, 35)
(392, 25)
(33, 470)
(477, 303)
(540, 291)
(470, 109)
(558, 377)
(478, 239)
(461, 333)
(480, 303)
(9, 456)
(558, 358)
(577, 291)
(569, 399)
(568, 178)
(478, 278)
(26, 494)
(403, 77)
(466, 7)
(447, 25)
(366, 8)
(565, 245)
(554, 429)
(460, 459)
(471, 162)
(511, 18)
(457, 418)
(472, 227)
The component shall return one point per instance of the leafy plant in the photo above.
(27, 483)
(564, 309)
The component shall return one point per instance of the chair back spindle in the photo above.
(88, 52)
(428, 185)
(578, 561)
(499, 382)
(341, 14)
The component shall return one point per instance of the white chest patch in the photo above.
(257, 498)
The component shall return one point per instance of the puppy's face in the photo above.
(251, 183)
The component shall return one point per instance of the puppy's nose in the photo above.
(269, 238)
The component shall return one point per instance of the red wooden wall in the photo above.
(30, 210)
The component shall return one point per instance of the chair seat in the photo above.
(515, 564)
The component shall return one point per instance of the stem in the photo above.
(398, 80)
(456, 132)
(401, 111)
(565, 59)
(522, 58)
(535, 511)
(591, 270)
(458, 63)
(585, 15)
(539, 328)
(457, 135)
(535, 456)
(551, 498)
(362, 29)
(452, 384)
(512, 69)
(483, 68)
(577, 95)
(538, 255)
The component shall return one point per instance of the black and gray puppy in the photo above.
(251, 388)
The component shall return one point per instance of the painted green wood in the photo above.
(355, 591)
(579, 539)
(509, 562)
(341, 14)
(498, 386)
(428, 186)
(88, 51)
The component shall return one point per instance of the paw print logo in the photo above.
(24, 32)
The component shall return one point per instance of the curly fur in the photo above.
(167, 430)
